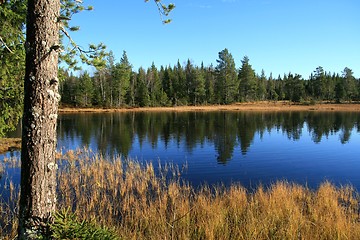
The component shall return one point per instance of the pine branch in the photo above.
(2, 41)
(163, 10)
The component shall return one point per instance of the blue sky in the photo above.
(279, 36)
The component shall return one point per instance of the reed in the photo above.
(137, 203)
(2, 169)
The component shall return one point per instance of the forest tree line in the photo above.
(117, 85)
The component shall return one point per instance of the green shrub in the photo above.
(67, 226)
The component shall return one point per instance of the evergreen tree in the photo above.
(294, 87)
(198, 92)
(340, 92)
(318, 83)
(121, 75)
(130, 96)
(210, 84)
(154, 85)
(179, 85)
(280, 88)
(190, 82)
(142, 92)
(84, 91)
(329, 88)
(261, 88)
(271, 90)
(248, 86)
(226, 78)
(167, 79)
(66, 87)
(12, 63)
(38, 172)
(109, 83)
(38, 164)
(350, 85)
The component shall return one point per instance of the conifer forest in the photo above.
(117, 84)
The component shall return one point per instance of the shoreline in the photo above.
(256, 106)
(11, 144)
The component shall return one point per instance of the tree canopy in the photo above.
(189, 84)
(12, 62)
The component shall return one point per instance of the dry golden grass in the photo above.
(139, 204)
(249, 106)
(8, 144)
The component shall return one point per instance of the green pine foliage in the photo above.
(12, 63)
(248, 81)
(120, 81)
(226, 78)
(118, 85)
(67, 226)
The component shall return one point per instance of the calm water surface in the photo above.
(245, 147)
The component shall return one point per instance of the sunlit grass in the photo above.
(9, 144)
(137, 203)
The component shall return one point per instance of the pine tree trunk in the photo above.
(38, 166)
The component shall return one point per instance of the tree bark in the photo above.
(38, 166)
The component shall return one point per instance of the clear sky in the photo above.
(279, 36)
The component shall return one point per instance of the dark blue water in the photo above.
(246, 147)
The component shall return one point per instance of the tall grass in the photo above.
(136, 203)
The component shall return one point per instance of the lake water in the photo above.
(246, 147)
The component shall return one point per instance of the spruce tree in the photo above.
(154, 85)
(350, 85)
(142, 91)
(167, 79)
(210, 84)
(261, 86)
(226, 78)
(248, 85)
(294, 87)
(121, 76)
(85, 90)
(318, 83)
(271, 89)
(198, 91)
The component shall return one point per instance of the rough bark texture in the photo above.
(38, 169)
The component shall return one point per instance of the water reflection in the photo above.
(117, 133)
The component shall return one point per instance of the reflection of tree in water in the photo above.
(225, 136)
(293, 123)
(115, 133)
(322, 124)
(247, 126)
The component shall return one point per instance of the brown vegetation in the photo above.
(250, 106)
(139, 204)
(9, 144)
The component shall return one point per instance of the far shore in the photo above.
(255, 106)
(10, 144)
